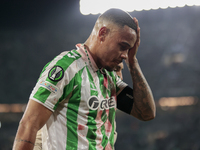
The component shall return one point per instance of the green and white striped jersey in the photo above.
(82, 99)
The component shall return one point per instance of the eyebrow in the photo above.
(125, 43)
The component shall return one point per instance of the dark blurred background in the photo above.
(32, 33)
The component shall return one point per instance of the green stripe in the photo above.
(112, 75)
(104, 117)
(91, 135)
(72, 113)
(111, 118)
(42, 94)
(101, 80)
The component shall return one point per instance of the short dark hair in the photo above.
(119, 17)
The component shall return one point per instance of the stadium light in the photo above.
(177, 101)
(99, 6)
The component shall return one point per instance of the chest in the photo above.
(95, 90)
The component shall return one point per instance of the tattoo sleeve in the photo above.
(143, 106)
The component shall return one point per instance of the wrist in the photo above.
(133, 62)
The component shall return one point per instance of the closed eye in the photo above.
(124, 46)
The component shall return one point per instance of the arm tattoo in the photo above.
(20, 140)
(142, 92)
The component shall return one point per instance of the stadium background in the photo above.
(34, 32)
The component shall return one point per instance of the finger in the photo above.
(138, 32)
(138, 28)
(136, 21)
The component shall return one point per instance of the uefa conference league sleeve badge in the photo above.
(56, 73)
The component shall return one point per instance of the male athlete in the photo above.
(76, 96)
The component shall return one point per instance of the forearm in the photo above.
(33, 120)
(25, 137)
(144, 105)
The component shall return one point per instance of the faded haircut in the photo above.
(119, 17)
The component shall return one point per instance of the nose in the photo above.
(124, 54)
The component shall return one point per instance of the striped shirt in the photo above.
(82, 99)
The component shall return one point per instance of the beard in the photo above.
(110, 68)
(111, 65)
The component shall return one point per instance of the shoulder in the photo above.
(67, 56)
(61, 62)
(65, 59)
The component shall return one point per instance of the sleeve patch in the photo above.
(56, 73)
(47, 85)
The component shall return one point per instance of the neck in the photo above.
(91, 48)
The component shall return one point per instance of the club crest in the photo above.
(56, 73)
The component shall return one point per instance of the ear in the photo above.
(102, 33)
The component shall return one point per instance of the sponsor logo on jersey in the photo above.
(56, 73)
(49, 86)
(94, 103)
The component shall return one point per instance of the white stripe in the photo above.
(98, 120)
(83, 111)
(75, 54)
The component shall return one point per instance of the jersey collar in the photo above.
(81, 50)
